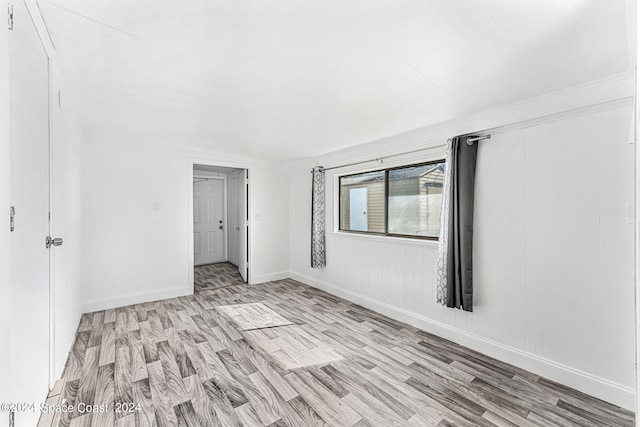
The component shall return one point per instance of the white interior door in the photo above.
(233, 215)
(29, 138)
(208, 221)
(243, 267)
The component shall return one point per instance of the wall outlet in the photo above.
(156, 206)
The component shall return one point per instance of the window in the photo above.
(402, 201)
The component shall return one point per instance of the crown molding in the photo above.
(580, 99)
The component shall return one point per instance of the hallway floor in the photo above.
(218, 275)
(283, 353)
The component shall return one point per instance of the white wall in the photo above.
(132, 254)
(5, 256)
(65, 221)
(553, 251)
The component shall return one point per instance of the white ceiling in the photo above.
(285, 79)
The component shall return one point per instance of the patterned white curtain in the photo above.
(318, 248)
(443, 242)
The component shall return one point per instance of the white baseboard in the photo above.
(135, 298)
(270, 277)
(601, 388)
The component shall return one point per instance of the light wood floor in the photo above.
(217, 275)
(186, 362)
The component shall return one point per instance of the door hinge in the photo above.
(12, 214)
(10, 16)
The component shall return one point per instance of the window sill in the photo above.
(391, 240)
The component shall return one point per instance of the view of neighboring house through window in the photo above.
(404, 201)
(362, 202)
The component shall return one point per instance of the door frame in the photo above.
(225, 246)
(209, 162)
(229, 217)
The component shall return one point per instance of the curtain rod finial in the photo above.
(470, 141)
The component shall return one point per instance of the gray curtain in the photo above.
(459, 266)
(318, 248)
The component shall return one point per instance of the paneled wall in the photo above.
(553, 254)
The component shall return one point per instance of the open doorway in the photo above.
(220, 205)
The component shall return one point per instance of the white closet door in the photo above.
(29, 139)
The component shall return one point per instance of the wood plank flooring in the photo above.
(182, 362)
(217, 275)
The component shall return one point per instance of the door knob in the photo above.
(221, 227)
(53, 242)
